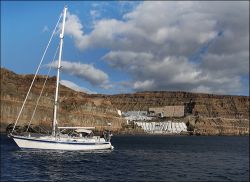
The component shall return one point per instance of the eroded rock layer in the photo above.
(75, 109)
(206, 114)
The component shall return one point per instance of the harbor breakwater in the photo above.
(205, 114)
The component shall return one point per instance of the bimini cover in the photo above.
(83, 131)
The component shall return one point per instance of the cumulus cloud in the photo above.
(76, 87)
(127, 59)
(85, 71)
(74, 28)
(156, 42)
(144, 85)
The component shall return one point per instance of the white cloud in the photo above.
(127, 59)
(76, 87)
(85, 71)
(144, 85)
(107, 86)
(201, 89)
(74, 28)
(154, 41)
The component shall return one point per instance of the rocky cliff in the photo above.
(75, 109)
(204, 113)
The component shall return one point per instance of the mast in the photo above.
(58, 73)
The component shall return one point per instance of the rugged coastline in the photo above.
(205, 114)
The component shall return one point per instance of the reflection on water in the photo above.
(134, 159)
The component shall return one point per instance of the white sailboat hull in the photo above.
(47, 144)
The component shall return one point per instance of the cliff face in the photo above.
(75, 109)
(207, 114)
(207, 105)
(204, 113)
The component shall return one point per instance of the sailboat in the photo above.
(83, 138)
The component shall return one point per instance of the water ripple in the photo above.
(134, 159)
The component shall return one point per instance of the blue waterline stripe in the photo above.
(71, 143)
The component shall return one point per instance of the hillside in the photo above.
(206, 113)
(76, 108)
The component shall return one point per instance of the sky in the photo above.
(113, 47)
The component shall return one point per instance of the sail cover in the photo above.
(83, 131)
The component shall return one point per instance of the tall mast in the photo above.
(58, 73)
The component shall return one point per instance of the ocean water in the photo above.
(135, 158)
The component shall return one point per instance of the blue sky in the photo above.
(113, 47)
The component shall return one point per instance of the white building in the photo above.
(162, 127)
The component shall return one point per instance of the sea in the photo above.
(134, 158)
